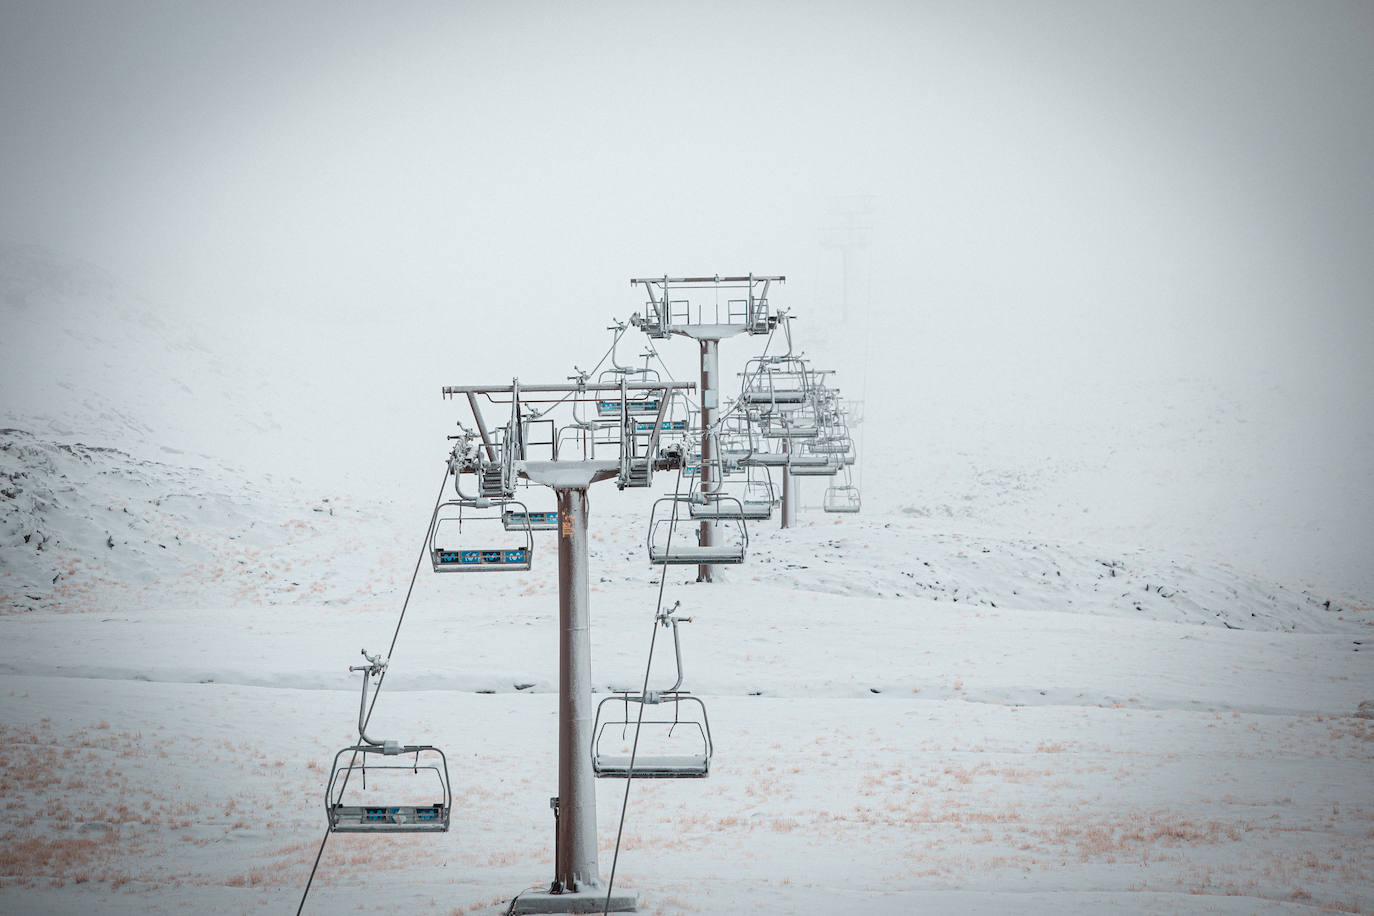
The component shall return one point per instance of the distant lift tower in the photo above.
(605, 438)
(677, 305)
(849, 230)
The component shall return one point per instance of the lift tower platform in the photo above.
(678, 305)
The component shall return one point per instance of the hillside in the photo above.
(960, 700)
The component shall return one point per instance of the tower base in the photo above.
(592, 900)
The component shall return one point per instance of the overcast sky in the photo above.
(1067, 198)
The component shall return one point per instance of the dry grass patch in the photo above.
(30, 856)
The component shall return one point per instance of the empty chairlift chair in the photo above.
(674, 536)
(518, 520)
(715, 506)
(759, 496)
(663, 734)
(675, 424)
(751, 499)
(842, 497)
(409, 790)
(722, 500)
(763, 451)
(639, 406)
(792, 423)
(805, 462)
(516, 517)
(776, 381)
(481, 536)
(832, 442)
(733, 443)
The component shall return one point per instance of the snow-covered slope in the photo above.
(91, 528)
(87, 527)
(84, 359)
(965, 699)
(873, 754)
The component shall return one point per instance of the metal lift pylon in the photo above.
(577, 886)
(790, 491)
(664, 316)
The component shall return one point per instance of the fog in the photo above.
(1088, 225)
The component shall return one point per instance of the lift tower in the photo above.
(676, 305)
(849, 230)
(605, 438)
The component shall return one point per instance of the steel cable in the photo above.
(634, 746)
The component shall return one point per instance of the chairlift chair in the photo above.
(733, 450)
(715, 506)
(759, 496)
(790, 432)
(842, 497)
(718, 502)
(691, 459)
(667, 426)
(662, 734)
(795, 423)
(780, 380)
(751, 498)
(610, 407)
(414, 809)
(676, 422)
(452, 549)
(516, 517)
(678, 726)
(832, 443)
(760, 458)
(517, 520)
(810, 467)
(674, 536)
(806, 460)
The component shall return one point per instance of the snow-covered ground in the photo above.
(939, 705)
(874, 753)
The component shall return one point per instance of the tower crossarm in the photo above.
(693, 306)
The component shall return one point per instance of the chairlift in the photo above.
(832, 443)
(776, 381)
(794, 422)
(667, 426)
(806, 461)
(674, 536)
(809, 466)
(750, 509)
(516, 520)
(853, 412)
(751, 499)
(453, 549)
(759, 458)
(610, 407)
(670, 726)
(515, 517)
(789, 432)
(759, 451)
(407, 808)
(715, 506)
(715, 503)
(676, 419)
(759, 496)
(842, 497)
(734, 450)
(691, 459)
(617, 372)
